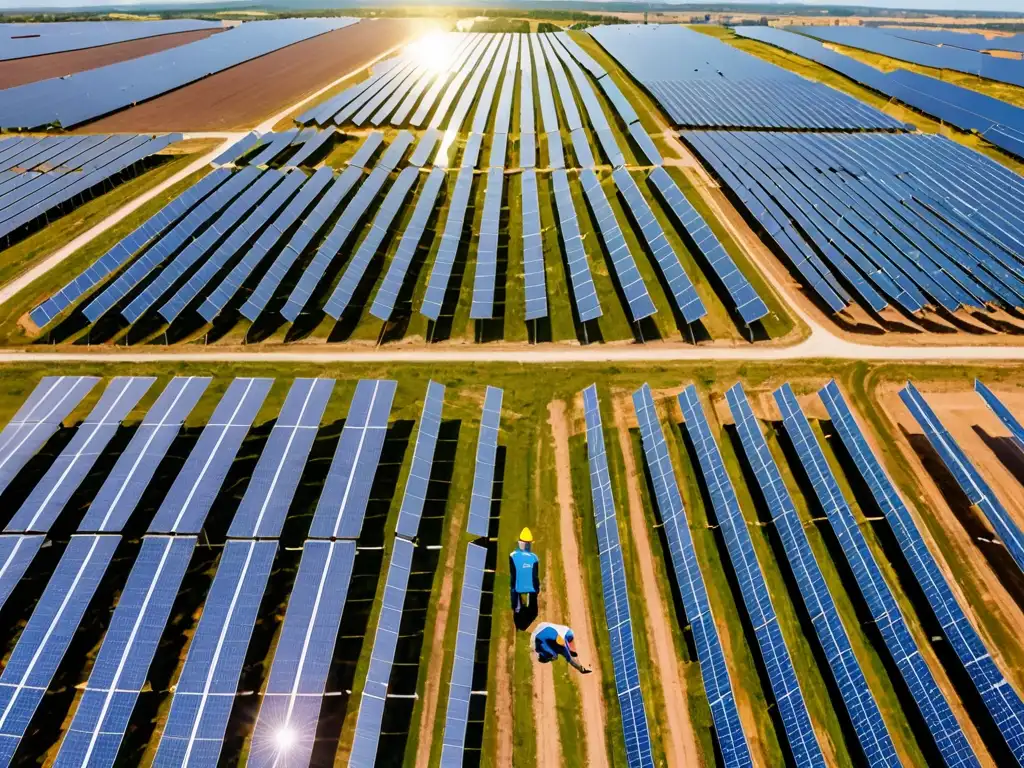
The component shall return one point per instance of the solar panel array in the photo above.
(972, 41)
(422, 461)
(441, 272)
(584, 293)
(616, 594)
(486, 275)
(16, 555)
(1002, 413)
(757, 601)
(486, 458)
(22, 41)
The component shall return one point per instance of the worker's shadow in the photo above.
(527, 613)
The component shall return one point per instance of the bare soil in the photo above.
(549, 745)
(503, 697)
(240, 97)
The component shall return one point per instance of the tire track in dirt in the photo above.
(575, 592)
(680, 741)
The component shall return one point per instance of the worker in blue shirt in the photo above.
(524, 568)
(550, 641)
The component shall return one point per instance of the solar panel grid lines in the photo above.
(267, 498)
(998, 697)
(298, 674)
(534, 273)
(885, 611)
(16, 554)
(342, 505)
(639, 301)
(482, 496)
(441, 271)
(584, 293)
(122, 665)
(486, 270)
(785, 686)
(693, 591)
(1003, 413)
(205, 690)
(44, 640)
(460, 686)
(971, 482)
(418, 481)
(195, 488)
(861, 706)
(615, 591)
(366, 740)
(124, 486)
(56, 487)
(40, 416)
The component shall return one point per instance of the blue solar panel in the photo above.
(27, 39)
(534, 272)
(239, 148)
(1002, 413)
(548, 112)
(503, 112)
(52, 401)
(310, 147)
(46, 637)
(861, 706)
(369, 147)
(389, 79)
(713, 667)
(616, 593)
(16, 554)
(122, 666)
(756, 600)
(441, 272)
(461, 685)
(268, 496)
(527, 124)
(588, 306)
(421, 154)
(305, 651)
(579, 54)
(205, 691)
(194, 490)
(643, 140)
(342, 506)
(422, 462)
(471, 47)
(486, 274)
(571, 112)
(486, 457)
(276, 143)
(371, 703)
(39, 511)
(471, 73)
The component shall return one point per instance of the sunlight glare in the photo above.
(430, 51)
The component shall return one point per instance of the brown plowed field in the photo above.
(35, 68)
(240, 97)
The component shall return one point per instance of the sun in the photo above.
(431, 51)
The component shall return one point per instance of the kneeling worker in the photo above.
(553, 640)
(524, 568)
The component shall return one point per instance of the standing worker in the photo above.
(524, 569)
(553, 640)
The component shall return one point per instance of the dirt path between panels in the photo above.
(680, 741)
(575, 594)
(549, 744)
(503, 703)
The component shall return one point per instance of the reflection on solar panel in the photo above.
(194, 490)
(998, 696)
(422, 462)
(374, 93)
(471, 49)
(342, 505)
(16, 554)
(534, 274)
(713, 667)
(863, 711)
(639, 300)
(749, 306)
(1002, 413)
(269, 494)
(588, 306)
(205, 691)
(298, 676)
(371, 702)
(369, 147)
(756, 599)
(69, 469)
(123, 488)
(122, 666)
(486, 459)
(52, 401)
(616, 595)
(486, 275)
(966, 475)
(885, 612)
(461, 686)
(49, 632)
(387, 294)
(441, 272)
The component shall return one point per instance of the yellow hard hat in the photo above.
(525, 535)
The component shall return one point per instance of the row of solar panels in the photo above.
(75, 99)
(23, 40)
(703, 82)
(910, 221)
(972, 41)
(38, 177)
(292, 148)
(1000, 123)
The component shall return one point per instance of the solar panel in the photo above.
(122, 666)
(421, 154)
(342, 506)
(472, 74)
(268, 496)
(588, 306)
(697, 607)
(310, 147)
(70, 468)
(486, 274)
(461, 685)
(441, 272)
(643, 140)
(194, 490)
(24, 40)
(635, 731)
(422, 462)
(205, 691)
(861, 706)
(305, 651)
(534, 272)
(367, 149)
(1002, 413)
(757, 601)
(548, 112)
(579, 54)
(486, 458)
(46, 637)
(239, 148)
(52, 401)
(527, 150)
(565, 94)
(471, 151)
(16, 554)
(278, 143)
(556, 153)
(371, 703)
